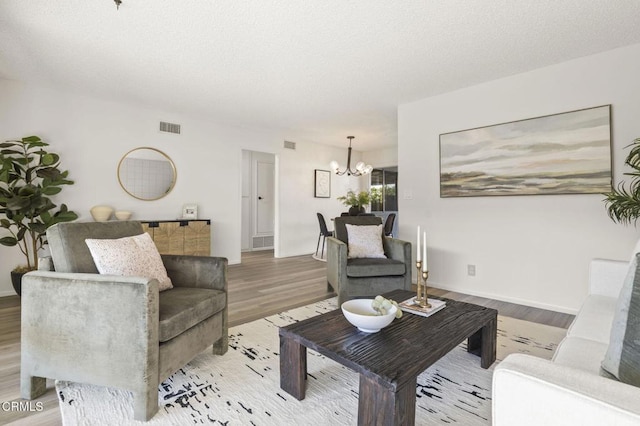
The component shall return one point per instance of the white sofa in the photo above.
(570, 390)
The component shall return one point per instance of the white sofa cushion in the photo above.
(607, 276)
(580, 353)
(530, 391)
(593, 322)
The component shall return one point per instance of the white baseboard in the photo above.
(502, 298)
(7, 293)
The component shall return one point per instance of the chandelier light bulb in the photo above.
(361, 168)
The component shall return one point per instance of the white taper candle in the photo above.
(418, 246)
(424, 253)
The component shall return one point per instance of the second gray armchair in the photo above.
(366, 277)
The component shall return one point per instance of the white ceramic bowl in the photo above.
(360, 313)
(123, 215)
(101, 213)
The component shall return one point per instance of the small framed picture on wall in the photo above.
(190, 211)
(322, 184)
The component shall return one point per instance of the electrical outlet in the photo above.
(471, 270)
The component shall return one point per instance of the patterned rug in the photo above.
(243, 386)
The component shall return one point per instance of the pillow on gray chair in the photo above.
(365, 241)
(135, 256)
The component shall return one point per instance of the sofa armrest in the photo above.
(79, 326)
(607, 276)
(532, 391)
(398, 250)
(197, 271)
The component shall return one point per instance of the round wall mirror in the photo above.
(146, 173)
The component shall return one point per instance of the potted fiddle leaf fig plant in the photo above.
(29, 176)
(356, 201)
(623, 205)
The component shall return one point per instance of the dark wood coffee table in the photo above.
(389, 361)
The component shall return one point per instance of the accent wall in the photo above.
(532, 250)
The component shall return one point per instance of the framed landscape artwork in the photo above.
(322, 184)
(566, 153)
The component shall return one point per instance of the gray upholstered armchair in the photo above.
(80, 326)
(352, 278)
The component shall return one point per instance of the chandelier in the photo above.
(361, 168)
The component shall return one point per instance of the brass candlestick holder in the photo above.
(421, 287)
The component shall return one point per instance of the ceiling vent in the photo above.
(169, 127)
(289, 145)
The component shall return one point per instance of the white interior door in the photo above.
(265, 194)
(258, 200)
(247, 196)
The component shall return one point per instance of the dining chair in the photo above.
(324, 233)
(388, 225)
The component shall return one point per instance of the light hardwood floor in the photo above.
(258, 287)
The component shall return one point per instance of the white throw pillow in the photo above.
(364, 241)
(135, 256)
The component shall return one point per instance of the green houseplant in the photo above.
(29, 175)
(356, 201)
(623, 205)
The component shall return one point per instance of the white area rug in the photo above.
(243, 386)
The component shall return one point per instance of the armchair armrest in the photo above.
(336, 261)
(398, 250)
(197, 271)
(607, 276)
(532, 391)
(81, 326)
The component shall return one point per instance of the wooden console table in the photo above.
(181, 236)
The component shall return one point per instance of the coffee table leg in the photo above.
(488, 348)
(293, 367)
(483, 343)
(378, 405)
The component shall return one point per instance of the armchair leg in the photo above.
(145, 403)
(221, 345)
(32, 387)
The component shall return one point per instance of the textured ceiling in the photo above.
(319, 70)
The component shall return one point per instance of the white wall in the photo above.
(91, 135)
(298, 205)
(532, 250)
(386, 157)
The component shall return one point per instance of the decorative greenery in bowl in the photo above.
(356, 201)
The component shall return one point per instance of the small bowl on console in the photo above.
(101, 213)
(123, 215)
(360, 313)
